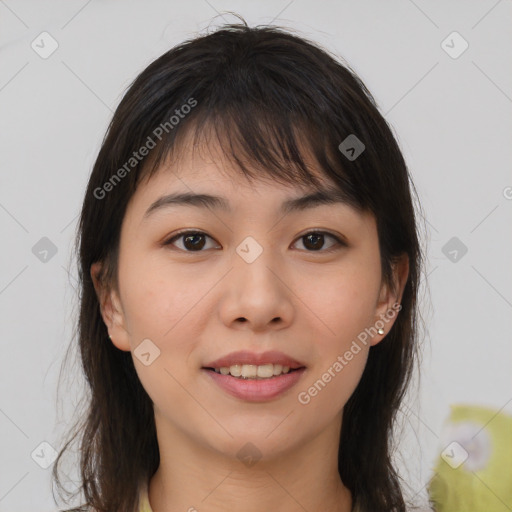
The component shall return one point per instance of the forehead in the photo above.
(208, 166)
(208, 185)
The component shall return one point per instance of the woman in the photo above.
(249, 264)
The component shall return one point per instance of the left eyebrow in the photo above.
(320, 197)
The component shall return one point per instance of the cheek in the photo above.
(158, 301)
(340, 356)
(166, 304)
(344, 305)
(154, 312)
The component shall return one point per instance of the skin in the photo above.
(191, 305)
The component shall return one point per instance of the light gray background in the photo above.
(453, 121)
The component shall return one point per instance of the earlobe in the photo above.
(110, 309)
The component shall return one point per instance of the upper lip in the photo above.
(248, 357)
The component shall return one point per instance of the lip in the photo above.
(253, 390)
(248, 357)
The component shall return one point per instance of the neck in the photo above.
(193, 477)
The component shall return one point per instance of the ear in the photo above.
(390, 297)
(111, 310)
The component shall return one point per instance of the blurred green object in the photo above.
(474, 470)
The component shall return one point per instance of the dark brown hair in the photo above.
(269, 98)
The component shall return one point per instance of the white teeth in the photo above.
(265, 370)
(251, 371)
(278, 368)
(235, 370)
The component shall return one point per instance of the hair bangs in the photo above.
(261, 143)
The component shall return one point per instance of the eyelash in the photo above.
(339, 242)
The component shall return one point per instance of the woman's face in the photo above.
(250, 281)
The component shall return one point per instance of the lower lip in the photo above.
(254, 390)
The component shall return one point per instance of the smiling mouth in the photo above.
(254, 372)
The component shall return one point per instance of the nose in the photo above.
(256, 295)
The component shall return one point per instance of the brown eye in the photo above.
(314, 241)
(193, 241)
